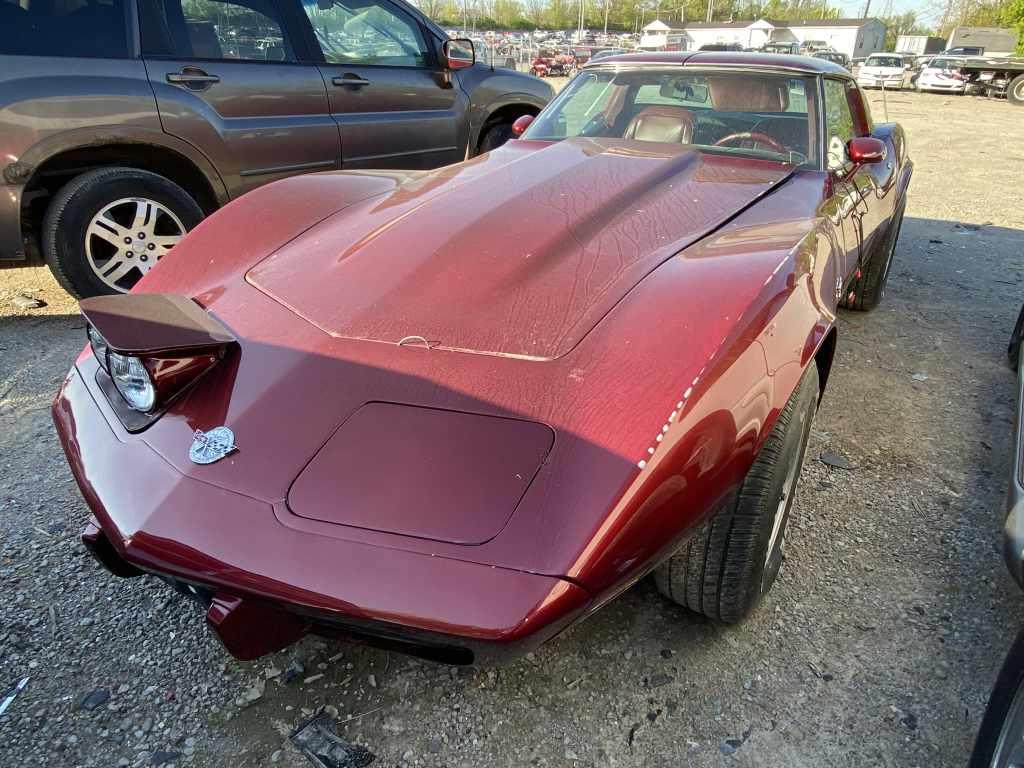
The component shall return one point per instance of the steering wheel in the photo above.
(597, 125)
(755, 137)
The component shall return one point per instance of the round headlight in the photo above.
(99, 346)
(133, 382)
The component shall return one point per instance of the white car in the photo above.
(882, 70)
(942, 74)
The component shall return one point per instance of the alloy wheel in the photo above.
(127, 237)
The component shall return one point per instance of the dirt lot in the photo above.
(877, 647)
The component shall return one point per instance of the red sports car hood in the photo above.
(494, 257)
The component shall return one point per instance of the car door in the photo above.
(227, 80)
(875, 181)
(395, 106)
(847, 194)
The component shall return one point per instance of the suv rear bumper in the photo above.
(12, 246)
(266, 584)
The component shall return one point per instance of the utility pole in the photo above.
(711, 11)
(867, 7)
(606, 4)
(945, 16)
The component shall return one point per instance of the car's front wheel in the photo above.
(106, 228)
(869, 288)
(495, 136)
(732, 561)
(1000, 742)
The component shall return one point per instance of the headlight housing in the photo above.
(150, 349)
(132, 380)
(99, 346)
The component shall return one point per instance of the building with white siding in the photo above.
(856, 38)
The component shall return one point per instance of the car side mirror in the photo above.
(459, 54)
(866, 149)
(520, 125)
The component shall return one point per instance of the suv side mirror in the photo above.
(866, 149)
(459, 54)
(520, 125)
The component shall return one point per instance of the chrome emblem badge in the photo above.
(208, 447)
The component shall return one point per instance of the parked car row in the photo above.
(183, 105)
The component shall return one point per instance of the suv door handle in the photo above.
(353, 80)
(192, 77)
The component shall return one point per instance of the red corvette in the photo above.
(453, 412)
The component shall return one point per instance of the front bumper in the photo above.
(1013, 527)
(944, 87)
(879, 82)
(266, 584)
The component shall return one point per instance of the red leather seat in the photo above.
(670, 125)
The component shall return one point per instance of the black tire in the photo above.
(1013, 349)
(80, 200)
(732, 561)
(495, 136)
(869, 289)
(1015, 91)
(1001, 712)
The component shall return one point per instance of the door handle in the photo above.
(197, 77)
(353, 80)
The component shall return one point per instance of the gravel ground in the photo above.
(877, 647)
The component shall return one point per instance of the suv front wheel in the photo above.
(107, 228)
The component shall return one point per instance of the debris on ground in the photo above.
(24, 301)
(291, 672)
(252, 694)
(920, 377)
(833, 459)
(94, 699)
(317, 740)
(11, 693)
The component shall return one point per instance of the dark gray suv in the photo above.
(124, 122)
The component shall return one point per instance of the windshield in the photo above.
(944, 63)
(884, 61)
(759, 115)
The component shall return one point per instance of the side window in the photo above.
(82, 28)
(839, 125)
(248, 30)
(366, 32)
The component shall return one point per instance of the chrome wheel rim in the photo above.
(1009, 751)
(773, 555)
(1018, 91)
(785, 501)
(127, 237)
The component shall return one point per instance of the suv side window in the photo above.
(248, 30)
(82, 28)
(359, 32)
(839, 124)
